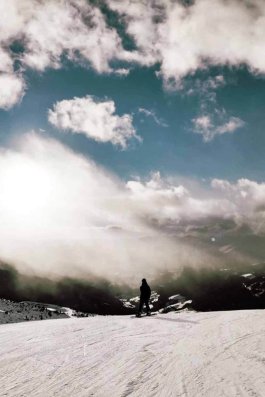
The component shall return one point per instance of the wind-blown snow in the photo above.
(188, 354)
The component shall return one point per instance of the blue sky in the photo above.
(134, 125)
(174, 149)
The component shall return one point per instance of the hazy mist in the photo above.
(64, 215)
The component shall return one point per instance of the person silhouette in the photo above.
(145, 293)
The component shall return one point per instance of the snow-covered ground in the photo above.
(14, 312)
(176, 354)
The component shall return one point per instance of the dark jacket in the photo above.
(145, 291)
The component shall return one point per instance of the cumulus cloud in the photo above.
(74, 28)
(183, 39)
(6, 64)
(12, 84)
(171, 205)
(177, 36)
(248, 198)
(48, 30)
(205, 126)
(95, 119)
(226, 214)
(12, 89)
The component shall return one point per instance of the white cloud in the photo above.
(167, 203)
(74, 28)
(179, 38)
(63, 214)
(183, 38)
(151, 113)
(48, 30)
(244, 191)
(202, 123)
(216, 82)
(205, 88)
(6, 62)
(230, 126)
(248, 198)
(178, 206)
(122, 71)
(95, 119)
(205, 126)
(12, 88)
(212, 120)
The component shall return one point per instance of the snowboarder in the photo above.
(145, 293)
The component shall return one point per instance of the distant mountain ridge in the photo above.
(205, 289)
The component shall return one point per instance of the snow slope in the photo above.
(185, 354)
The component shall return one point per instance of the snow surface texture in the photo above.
(177, 354)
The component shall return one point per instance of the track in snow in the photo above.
(188, 354)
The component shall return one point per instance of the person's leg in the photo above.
(147, 306)
(140, 306)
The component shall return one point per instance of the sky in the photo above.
(131, 135)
